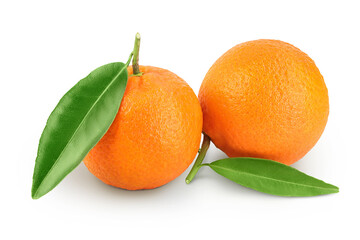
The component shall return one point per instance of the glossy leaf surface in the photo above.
(271, 177)
(77, 123)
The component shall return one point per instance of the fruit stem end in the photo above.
(135, 60)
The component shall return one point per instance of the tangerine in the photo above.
(155, 135)
(264, 99)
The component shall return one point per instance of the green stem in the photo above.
(135, 60)
(129, 59)
(198, 162)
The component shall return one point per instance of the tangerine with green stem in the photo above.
(155, 135)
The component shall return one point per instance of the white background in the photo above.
(46, 47)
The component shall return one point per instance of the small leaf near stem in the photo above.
(271, 177)
(198, 162)
(135, 60)
(78, 131)
(69, 135)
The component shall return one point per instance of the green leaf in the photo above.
(78, 122)
(271, 177)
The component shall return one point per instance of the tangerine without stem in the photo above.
(264, 99)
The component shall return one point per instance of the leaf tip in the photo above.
(34, 194)
(336, 189)
(34, 197)
(333, 188)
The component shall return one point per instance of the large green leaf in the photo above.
(77, 123)
(271, 177)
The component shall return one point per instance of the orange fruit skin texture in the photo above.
(264, 99)
(155, 135)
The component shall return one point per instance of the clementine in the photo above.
(155, 135)
(265, 99)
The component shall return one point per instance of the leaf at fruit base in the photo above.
(271, 177)
(77, 123)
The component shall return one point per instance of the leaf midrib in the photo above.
(81, 123)
(282, 181)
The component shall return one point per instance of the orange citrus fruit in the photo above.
(265, 99)
(155, 135)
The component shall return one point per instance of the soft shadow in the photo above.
(214, 154)
(81, 181)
